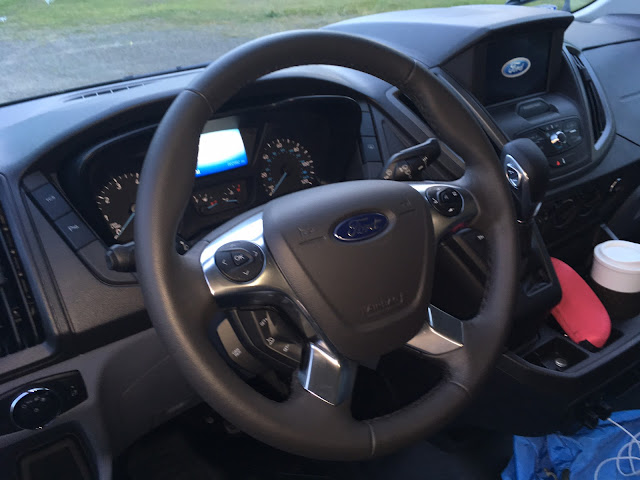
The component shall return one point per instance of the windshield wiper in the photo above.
(164, 72)
(566, 7)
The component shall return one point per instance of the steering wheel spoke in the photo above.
(326, 375)
(265, 313)
(442, 333)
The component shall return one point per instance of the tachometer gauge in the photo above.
(117, 202)
(286, 167)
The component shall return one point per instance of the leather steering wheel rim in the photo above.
(180, 303)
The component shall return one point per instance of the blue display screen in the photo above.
(220, 151)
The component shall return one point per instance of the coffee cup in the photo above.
(615, 275)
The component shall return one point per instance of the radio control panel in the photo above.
(555, 139)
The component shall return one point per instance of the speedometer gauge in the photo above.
(117, 202)
(286, 167)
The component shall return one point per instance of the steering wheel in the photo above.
(348, 266)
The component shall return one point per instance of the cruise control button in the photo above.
(265, 324)
(237, 353)
(270, 334)
(277, 337)
(290, 350)
(240, 257)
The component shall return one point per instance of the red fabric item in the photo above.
(580, 313)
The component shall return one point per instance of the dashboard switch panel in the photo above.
(51, 202)
(370, 150)
(75, 231)
(67, 222)
(366, 126)
(34, 405)
(72, 228)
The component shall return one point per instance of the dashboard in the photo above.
(68, 195)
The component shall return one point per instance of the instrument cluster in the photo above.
(245, 158)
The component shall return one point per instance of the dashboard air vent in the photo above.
(106, 91)
(598, 117)
(20, 324)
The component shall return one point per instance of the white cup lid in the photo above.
(619, 255)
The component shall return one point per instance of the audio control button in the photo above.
(445, 200)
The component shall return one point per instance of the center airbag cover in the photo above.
(369, 296)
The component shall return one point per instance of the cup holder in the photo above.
(615, 335)
(557, 354)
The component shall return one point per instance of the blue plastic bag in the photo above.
(583, 455)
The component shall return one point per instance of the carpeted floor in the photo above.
(198, 446)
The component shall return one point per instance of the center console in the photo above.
(528, 85)
(545, 381)
(524, 83)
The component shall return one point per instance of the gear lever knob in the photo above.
(527, 171)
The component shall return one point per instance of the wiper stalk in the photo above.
(566, 7)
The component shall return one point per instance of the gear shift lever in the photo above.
(527, 171)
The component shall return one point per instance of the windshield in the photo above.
(57, 45)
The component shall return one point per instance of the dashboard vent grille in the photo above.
(106, 91)
(20, 324)
(598, 117)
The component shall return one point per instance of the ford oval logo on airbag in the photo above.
(516, 67)
(361, 227)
